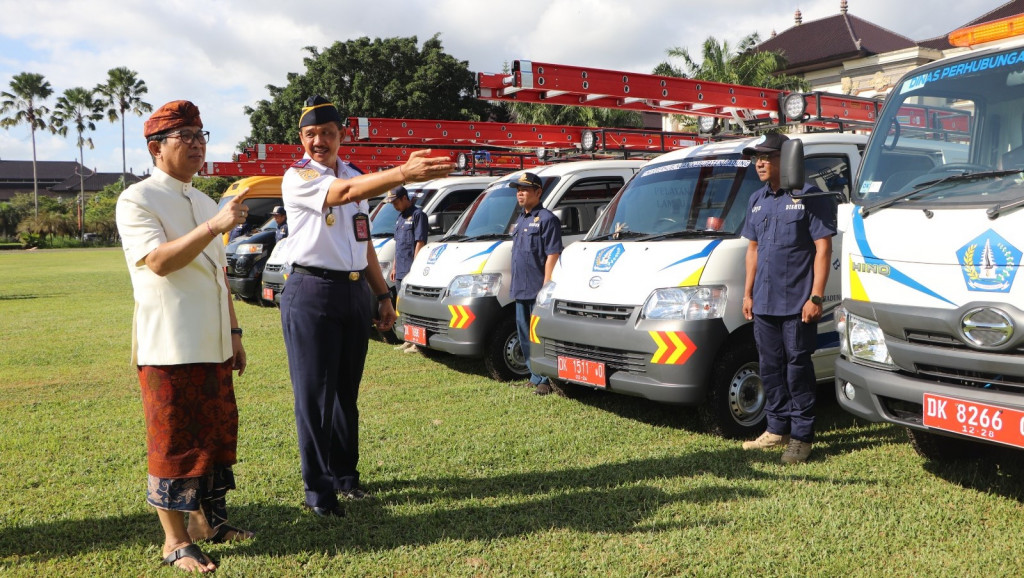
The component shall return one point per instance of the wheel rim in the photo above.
(513, 355)
(746, 395)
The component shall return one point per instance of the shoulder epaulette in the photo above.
(300, 163)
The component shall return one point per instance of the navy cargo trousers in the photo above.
(784, 346)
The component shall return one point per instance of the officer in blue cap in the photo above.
(326, 303)
(536, 245)
(411, 232)
(787, 266)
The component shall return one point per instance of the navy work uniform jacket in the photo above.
(410, 228)
(785, 230)
(535, 235)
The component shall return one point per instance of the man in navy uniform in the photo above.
(410, 236)
(787, 266)
(536, 245)
(325, 305)
(281, 218)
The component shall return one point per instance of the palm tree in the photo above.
(123, 93)
(747, 65)
(27, 91)
(79, 107)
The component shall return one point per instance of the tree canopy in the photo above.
(746, 65)
(391, 78)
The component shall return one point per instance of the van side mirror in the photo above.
(434, 224)
(569, 217)
(791, 165)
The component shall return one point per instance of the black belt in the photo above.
(328, 273)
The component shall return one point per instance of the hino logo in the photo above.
(986, 327)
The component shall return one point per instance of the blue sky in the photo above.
(221, 54)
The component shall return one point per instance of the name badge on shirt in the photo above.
(361, 226)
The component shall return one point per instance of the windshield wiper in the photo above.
(452, 237)
(929, 185)
(618, 235)
(380, 235)
(688, 233)
(489, 237)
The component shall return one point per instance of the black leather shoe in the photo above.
(334, 511)
(354, 494)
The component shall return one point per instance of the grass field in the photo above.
(472, 477)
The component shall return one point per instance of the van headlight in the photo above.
(862, 340)
(546, 295)
(485, 285)
(249, 249)
(686, 303)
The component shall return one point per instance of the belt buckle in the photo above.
(353, 276)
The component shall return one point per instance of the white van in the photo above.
(442, 200)
(456, 296)
(650, 302)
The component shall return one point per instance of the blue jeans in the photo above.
(524, 309)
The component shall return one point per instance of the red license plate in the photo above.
(581, 371)
(268, 293)
(973, 419)
(415, 334)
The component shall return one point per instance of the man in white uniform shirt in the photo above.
(185, 338)
(326, 303)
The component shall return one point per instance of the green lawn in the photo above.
(473, 477)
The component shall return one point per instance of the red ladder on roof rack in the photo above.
(540, 82)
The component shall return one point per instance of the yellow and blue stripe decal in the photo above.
(486, 251)
(382, 243)
(704, 253)
(857, 288)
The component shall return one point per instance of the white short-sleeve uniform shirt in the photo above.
(312, 242)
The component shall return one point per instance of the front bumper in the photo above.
(884, 396)
(456, 326)
(679, 374)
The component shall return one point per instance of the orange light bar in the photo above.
(988, 31)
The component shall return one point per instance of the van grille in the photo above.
(593, 310)
(439, 326)
(433, 293)
(967, 378)
(613, 359)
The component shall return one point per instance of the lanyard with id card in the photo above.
(361, 226)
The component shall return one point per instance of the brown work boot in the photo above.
(797, 452)
(767, 440)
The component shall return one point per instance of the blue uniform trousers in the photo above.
(326, 326)
(784, 345)
(524, 309)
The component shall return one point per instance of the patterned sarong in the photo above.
(191, 418)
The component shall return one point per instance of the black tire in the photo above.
(735, 406)
(940, 448)
(503, 357)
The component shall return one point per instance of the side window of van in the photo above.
(578, 207)
(829, 173)
(454, 204)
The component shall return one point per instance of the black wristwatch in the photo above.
(816, 299)
(236, 331)
(384, 296)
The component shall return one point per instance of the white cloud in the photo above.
(222, 54)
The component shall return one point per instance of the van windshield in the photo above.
(493, 212)
(707, 194)
(950, 136)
